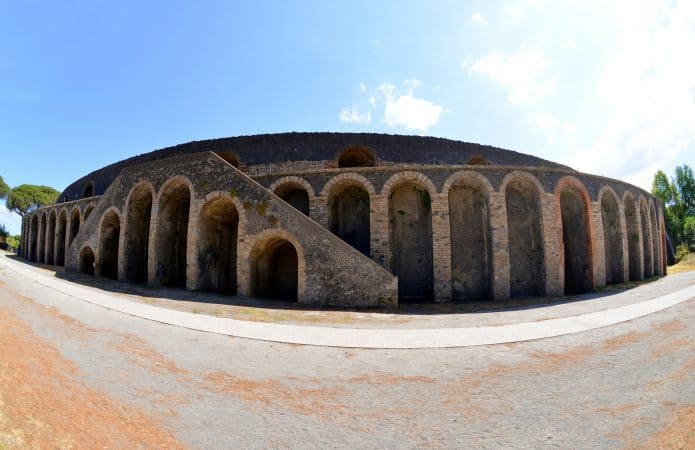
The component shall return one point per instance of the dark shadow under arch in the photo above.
(296, 195)
(172, 235)
(110, 232)
(633, 238)
(86, 261)
(576, 241)
(612, 239)
(137, 236)
(60, 238)
(349, 216)
(357, 157)
(218, 228)
(275, 270)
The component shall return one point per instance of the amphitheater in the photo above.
(351, 220)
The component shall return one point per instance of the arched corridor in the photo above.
(137, 236)
(275, 270)
(109, 235)
(172, 234)
(218, 228)
(348, 209)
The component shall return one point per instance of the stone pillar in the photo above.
(598, 248)
(552, 245)
(379, 230)
(624, 237)
(318, 210)
(40, 241)
(640, 246)
(500, 246)
(152, 255)
(441, 248)
(192, 267)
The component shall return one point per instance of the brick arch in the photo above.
(344, 178)
(647, 255)
(173, 180)
(251, 251)
(137, 222)
(293, 180)
(612, 220)
(469, 177)
(634, 239)
(468, 195)
(72, 232)
(409, 176)
(237, 204)
(86, 259)
(109, 242)
(88, 210)
(575, 245)
(521, 176)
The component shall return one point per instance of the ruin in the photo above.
(351, 220)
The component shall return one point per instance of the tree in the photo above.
(678, 196)
(4, 188)
(27, 197)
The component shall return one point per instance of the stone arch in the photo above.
(137, 231)
(349, 209)
(50, 237)
(646, 238)
(61, 232)
(42, 238)
(522, 193)
(277, 266)
(577, 251)
(109, 240)
(218, 231)
(471, 242)
(612, 235)
(357, 156)
(633, 236)
(86, 261)
(75, 224)
(88, 190)
(656, 254)
(171, 236)
(34, 238)
(294, 190)
(88, 210)
(416, 178)
(410, 235)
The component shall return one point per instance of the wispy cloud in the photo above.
(523, 74)
(353, 115)
(479, 18)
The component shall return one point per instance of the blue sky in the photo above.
(606, 87)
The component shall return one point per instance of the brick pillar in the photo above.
(623, 238)
(379, 230)
(40, 241)
(598, 249)
(152, 245)
(192, 267)
(318, 210)
(640, 245)
(441, 248)
(500, 246)
(552, 245)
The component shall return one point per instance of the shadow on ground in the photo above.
(211, 298)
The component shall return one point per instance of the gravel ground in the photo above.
(628, 385)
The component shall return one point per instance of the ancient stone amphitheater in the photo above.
(351, 220)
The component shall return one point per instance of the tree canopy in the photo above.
(678, 195)
(4, 188)
(27, 197)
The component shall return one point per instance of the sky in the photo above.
(606, 87)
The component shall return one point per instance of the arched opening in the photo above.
(348, 207)
(42, 239)
(633, 237)
(612, 239)
(655, 241)
(137, 236)
(229, 156)
(172, 234)
(50, 238)
(218, 229)
(34, 239)
(60, 238)
(275, 270)
(110, 232)
(646, 241)
(576, 241)
(88, 191)
(410, 217)
(74, 224)
(356, 157)
(470, 242)
(88, 211)
(295, 195)
(526, 257)
(86, 261)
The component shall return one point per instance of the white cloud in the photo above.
(353, 115)
(11, 220)
(363, 88)
(478, 18)
(649, 90)
(522, 74)
(407, 111)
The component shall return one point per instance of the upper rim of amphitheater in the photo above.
(253, 150)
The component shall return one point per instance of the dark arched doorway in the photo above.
(137, 236)
(348, 207)
(218, 227)
(275, 270)
(109, 234)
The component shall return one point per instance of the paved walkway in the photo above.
(76, 375)
(474, 329)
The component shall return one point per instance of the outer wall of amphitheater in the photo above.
(353, 226)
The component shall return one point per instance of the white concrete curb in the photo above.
(361, 338)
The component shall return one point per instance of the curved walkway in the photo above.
(361, 338)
